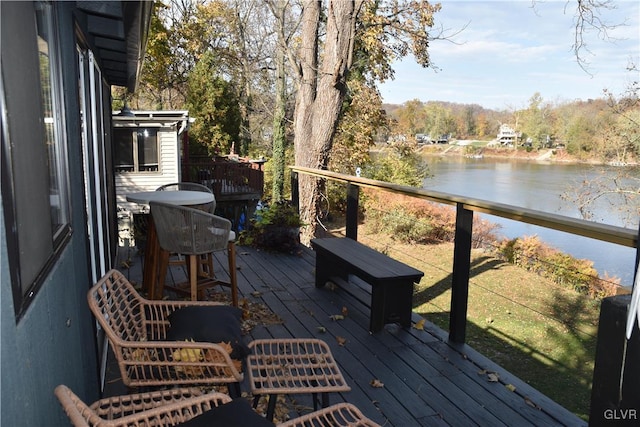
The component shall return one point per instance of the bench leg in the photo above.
(390, 303)
(328, 267)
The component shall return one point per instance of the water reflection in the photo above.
(537, 186)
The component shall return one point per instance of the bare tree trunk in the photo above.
(320, 94)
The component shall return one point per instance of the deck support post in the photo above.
(460, 276)
(615, 392)
(353, 193)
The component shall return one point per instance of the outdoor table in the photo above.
(152, 250)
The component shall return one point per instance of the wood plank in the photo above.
(427, 380)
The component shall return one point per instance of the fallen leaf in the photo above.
(376, 383)
(256, 293)
(337, 317)
(482, 372)
(322, 329)
(332, 286)
(530, 403)
(341, 340)
(493, 377)
(420, 325)
(345, 311)
(510, 387)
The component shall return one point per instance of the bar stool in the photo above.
(193, 232)
(205, 264)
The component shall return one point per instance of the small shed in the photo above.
(147, 151)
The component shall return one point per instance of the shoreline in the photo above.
(550, 155)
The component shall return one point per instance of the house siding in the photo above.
(169, 171)
(54, 340)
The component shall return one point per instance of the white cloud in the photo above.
(508, 51)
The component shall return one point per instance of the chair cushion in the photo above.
(209, 324)
(237, 413)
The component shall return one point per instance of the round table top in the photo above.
(181, 197)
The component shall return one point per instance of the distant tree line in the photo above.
(606, 128)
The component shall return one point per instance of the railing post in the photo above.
(295, 191)
(353, 193)
(460, 276)
(615, 392)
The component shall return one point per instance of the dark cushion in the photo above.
(237, 413)
(209, 324)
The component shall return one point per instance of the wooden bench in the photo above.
(391, 281)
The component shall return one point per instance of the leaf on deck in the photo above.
(376, 383)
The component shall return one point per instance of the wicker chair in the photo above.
(191, 186)
(338, 415)
(159, 408)
(136, 329)
(205, 265)
(192, 232)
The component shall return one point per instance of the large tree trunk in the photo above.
(320, 94)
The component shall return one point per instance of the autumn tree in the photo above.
(169, 57)
(325, 57)
(411, 118)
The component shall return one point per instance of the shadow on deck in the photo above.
(426, 380)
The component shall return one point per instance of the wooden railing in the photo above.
(465, 207)
(616, 377)
(229, 178)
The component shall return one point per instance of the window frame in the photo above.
(32, 253)
(134, 145)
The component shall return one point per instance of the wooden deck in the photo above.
(426, 381)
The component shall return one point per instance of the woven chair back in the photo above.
(158, 408)
(118, 308)
(78, 412)
(189, 231)
(191, 186)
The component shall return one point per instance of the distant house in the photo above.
(507, 135)
(422, 138)
(147, 150)
(58, 223)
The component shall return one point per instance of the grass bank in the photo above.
(541, 332)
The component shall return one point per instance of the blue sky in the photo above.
(510, 50)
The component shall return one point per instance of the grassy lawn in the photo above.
(539, 331)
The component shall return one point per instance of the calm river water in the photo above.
(536, 186)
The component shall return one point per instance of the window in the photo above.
(136, 149)
(35, 176)
(55, 152)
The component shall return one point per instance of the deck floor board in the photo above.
(427, 381)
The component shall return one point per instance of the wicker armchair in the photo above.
(159, 408)
(192, 232)
(136, 329)
(338, 415)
